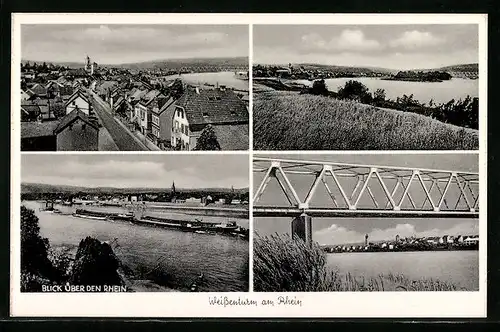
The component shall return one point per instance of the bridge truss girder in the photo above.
(395, 184)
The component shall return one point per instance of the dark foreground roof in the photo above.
(213, 106)
(38, 129)
(72, 117)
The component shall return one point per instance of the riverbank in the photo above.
(283, 264)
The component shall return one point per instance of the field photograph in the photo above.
(377, 87)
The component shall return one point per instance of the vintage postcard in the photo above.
(249, 165)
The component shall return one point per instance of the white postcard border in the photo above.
(346, 304)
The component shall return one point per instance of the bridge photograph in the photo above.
(366, 222)
(142, 223)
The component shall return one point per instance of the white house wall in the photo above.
(82, 104)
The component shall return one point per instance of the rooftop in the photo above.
(214, 106)
(38, 129)
(71, 117)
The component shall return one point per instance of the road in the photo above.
(124, 139)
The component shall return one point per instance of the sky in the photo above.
(388, 46)
(117, 44)
(350, 230)
(146, 171)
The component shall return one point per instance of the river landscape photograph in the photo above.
(365, 222)
(134, 223)
(366, 87)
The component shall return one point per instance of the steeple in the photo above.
(173, 189)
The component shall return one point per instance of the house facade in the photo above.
(77, 101)
(161, 124)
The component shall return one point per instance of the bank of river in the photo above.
(226, 78)
(439, 92)
(157, 258)
(458, 267)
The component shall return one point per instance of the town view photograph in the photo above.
(134, 87)
(366, 87)
(366, 222)
(134, 223)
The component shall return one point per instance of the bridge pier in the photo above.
(302, 227)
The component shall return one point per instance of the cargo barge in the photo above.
(196, 226)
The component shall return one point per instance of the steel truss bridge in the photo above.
(355, 190)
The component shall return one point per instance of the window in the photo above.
(83, 126)
(73, 103)
(205, 114)
(182, 128)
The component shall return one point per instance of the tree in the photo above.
(208, 140)
(36, 268)
(356, 91)
(319, 88)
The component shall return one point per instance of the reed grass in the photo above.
(291, 121)
(283, 264)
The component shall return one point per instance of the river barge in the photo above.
(197, 226)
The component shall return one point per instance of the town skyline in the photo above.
(115, 44)
(396, 47)
(137, 171)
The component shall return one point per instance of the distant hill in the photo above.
(162, 64)
(469, 67)
(40, 188)
(352, 69)
(189, 62)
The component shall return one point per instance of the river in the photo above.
(440, 92)
(458, 267)
(181, 256)
(221, 78)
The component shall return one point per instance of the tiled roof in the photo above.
(75, 95)
(150, 96)
(138, 94)
(213, 106)
(66, 90)
(105, 86)
(37, 129)
(71, 117)
(39, 89)
(232, 137)
(30, 108)
(163, 103)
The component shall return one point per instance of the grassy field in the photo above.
(282, 264)
(290, 121)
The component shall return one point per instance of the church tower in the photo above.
(173, 194)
